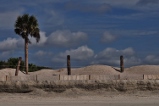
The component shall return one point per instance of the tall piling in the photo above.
(68, 65)
(121, 64)
(18, 66)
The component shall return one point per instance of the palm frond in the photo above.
(27, 25)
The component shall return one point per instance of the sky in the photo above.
(90, 31)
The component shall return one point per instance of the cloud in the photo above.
(10, 44)
(108, 37)
(58, 38)
(97, 8)
(147, 2)
(134, 32)
(111, 56)
(108, 52)
(43, 40)
(66, 38)
(80, 54)
(151, 59)
(148, 6)
(41, 53)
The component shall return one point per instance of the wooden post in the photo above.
(68, 65)
(121, 64)
(119, 77)
(89, 77)
(59, 76)
(36, 78)
(6, 77)
(143, 76)
(18, 66)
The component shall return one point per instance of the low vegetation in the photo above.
(12, 63)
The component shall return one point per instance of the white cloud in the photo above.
(152, 59)
(81, 53)
(9, 44)
(111, 56)
(43, 39)
(134, 32)
(132, 61)
(66, 38)
(112, 51)
(108, 37)
(128, 51)
(43, 53)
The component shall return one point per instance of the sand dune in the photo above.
(143, 69)
(135, 94)
(10, 71)
(88, 70)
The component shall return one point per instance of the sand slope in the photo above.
(45, 74)
(143, 69)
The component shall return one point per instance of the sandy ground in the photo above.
(94, 100)
(90, 70)
(76, 97)
(135, 72)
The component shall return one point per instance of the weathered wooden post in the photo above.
(36, 78)
(143, 76)
(121, 64)
(89, 77)
(59, 76)
(6, 77)
(119, 77)
(18, 66)
(68, 65)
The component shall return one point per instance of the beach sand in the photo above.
(107, 99)
(79, 97)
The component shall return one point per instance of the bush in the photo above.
(12, 63)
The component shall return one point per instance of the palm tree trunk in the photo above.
(26, 55)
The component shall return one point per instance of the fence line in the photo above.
(77, 77)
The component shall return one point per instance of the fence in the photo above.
(151, 77)
(77, 77)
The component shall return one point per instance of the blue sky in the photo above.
(91, 31)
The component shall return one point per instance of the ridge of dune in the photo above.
(95, 70)
(143, 69)
(88, 70)
(42, 72)
(10, 72)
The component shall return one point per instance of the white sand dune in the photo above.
(88, 70)
(10, 71)
(95, 70)
(45, 74)
(72, 96)
(143, 69)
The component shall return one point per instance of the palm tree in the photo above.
(26, 26)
